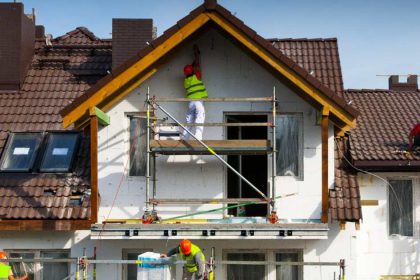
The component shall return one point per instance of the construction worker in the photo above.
(6, 272)
(194, 89)
(414, 138)
(191, 253)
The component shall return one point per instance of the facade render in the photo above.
(92, 160)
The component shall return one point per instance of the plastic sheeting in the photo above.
(289, 145)
(401, 207)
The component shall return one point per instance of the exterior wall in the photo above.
(227, 72)
(379, 253)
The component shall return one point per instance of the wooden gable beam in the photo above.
(137, 68)
(288, 73)
(324, 164)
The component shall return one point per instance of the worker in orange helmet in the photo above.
(195, 259)
(414, 138)
(6, 272)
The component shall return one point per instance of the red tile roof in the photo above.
(57, 75)
(381, 136)
(319, 57)
(345, 197)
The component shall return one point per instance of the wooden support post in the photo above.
(94, 168)
(324, 149)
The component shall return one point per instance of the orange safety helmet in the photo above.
(188, 70)
(185, 246)
(3, 255)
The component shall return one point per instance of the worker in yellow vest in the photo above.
(195, 259)
(6, 272)
(194, 89)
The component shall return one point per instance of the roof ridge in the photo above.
(329, 39)
(78, 29)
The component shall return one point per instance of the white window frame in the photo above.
(270, 256)
(415, 181)
(37, 255)
(301, 155)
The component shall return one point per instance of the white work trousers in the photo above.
(195, 114)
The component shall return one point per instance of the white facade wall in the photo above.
(379, 253)
(227, 72)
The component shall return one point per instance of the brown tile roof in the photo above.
(345, 197)
(319, 57)
(57, 75)
(212, 6)
(381, 135)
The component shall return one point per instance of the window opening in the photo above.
(137, 146)
(289, 145)
(401, 207)
(21, 151)
(245, 272)
(246, 165)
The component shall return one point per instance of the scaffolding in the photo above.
(207, 147)
(84, 268)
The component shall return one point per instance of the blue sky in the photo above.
(374, 36)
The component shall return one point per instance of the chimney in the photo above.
(410, 85)
(39, 32)
(17, 33)
(129, 36)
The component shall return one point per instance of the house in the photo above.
(388, 177)
(237, 63)
(92, 93)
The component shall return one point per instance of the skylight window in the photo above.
(21, 152)
(59, 152)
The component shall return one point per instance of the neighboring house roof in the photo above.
(318, 56)
(141, 67)
(345, 197)
(380, 139)
(57, 75)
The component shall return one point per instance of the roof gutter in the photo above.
(388, 165)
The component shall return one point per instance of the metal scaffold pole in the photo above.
(148, 150)
(213, 153)
(273, 155)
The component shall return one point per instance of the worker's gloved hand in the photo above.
(163, 256)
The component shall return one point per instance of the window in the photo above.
(130, 270)
(401, 207)
(245, 272)
(43, 271)
(59, 152)
(21, 151)
(289, 145)
(137, 145)
(289, 272)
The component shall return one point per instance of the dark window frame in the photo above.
(45, 145)
(6, 152)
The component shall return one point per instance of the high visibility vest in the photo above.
(194, 88)
(190, 265)
(4, 271)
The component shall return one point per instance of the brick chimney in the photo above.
(129, 36)
(17, 43)
(410, 85)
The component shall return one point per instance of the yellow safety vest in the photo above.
(4, 271)
(190, 265)
(194, 88)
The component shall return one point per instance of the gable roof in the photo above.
(56, 76)
(381, 137)
(143, 65)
